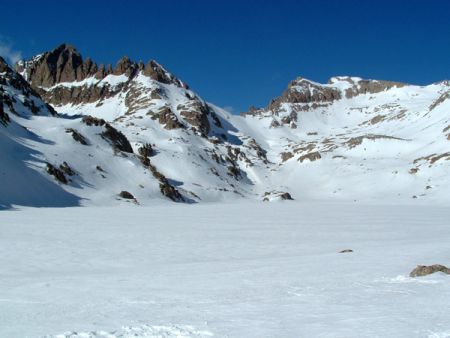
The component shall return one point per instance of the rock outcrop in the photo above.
(48, 72)
(424, 270)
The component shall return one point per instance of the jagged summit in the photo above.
(303, 94)
(137, 130)
(65, 64)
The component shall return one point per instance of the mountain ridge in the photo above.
(314, 141)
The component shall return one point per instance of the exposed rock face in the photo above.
(423, 270)
(93, 121)
(286, 156)
(65, 64)
(156, 72)
(356, 141)
(305, 95)
(310, 156)
(369, 86)
(445, 96)
(30, 98)
(301, 92)
(125, 66)
(146, 150)
(66, 169)
(165, 187)
(58, 174)
(196, 114)
(118, 140)
(77, 136)
(56, 75)
(4, 118)
(167, 118)
(170, 192)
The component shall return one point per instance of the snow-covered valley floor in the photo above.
(228, 270)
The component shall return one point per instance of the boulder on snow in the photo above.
(424, 270)
(277, 196)
(346, 251)
(126, 195)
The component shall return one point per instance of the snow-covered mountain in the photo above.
(137, 128)
(358, 139)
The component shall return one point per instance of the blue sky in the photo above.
(241, 53)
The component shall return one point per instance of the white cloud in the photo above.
(8, 53)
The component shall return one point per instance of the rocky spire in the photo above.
(156, 72)
(63, 64)
(126, 66)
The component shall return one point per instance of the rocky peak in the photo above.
(156, 72)
(301, 94)
(63, 64)
(126, 66)
(302, 90)
(27, 103)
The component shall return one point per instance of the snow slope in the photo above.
(350, 139)
(227, 270)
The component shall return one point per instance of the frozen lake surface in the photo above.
(224, 270)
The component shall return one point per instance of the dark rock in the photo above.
(167, 118)
(170, 192)
(260, 152)
(146, 150)
(370, 87)
(77, 136)
(156, 72)
(286, 196)
(424, 270)
(346, 251)
(274, 124)
(4, 117)
(3, 65)
(125, 66)
(355, 141)
(118, 140)
(302, 91)
(164, 186)
(196, 114)
(310, 156)
(234, 171)
(65, 168)
(93, 121)
(126, 195)
(60, 65)
(57, 173)
(286, 156)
